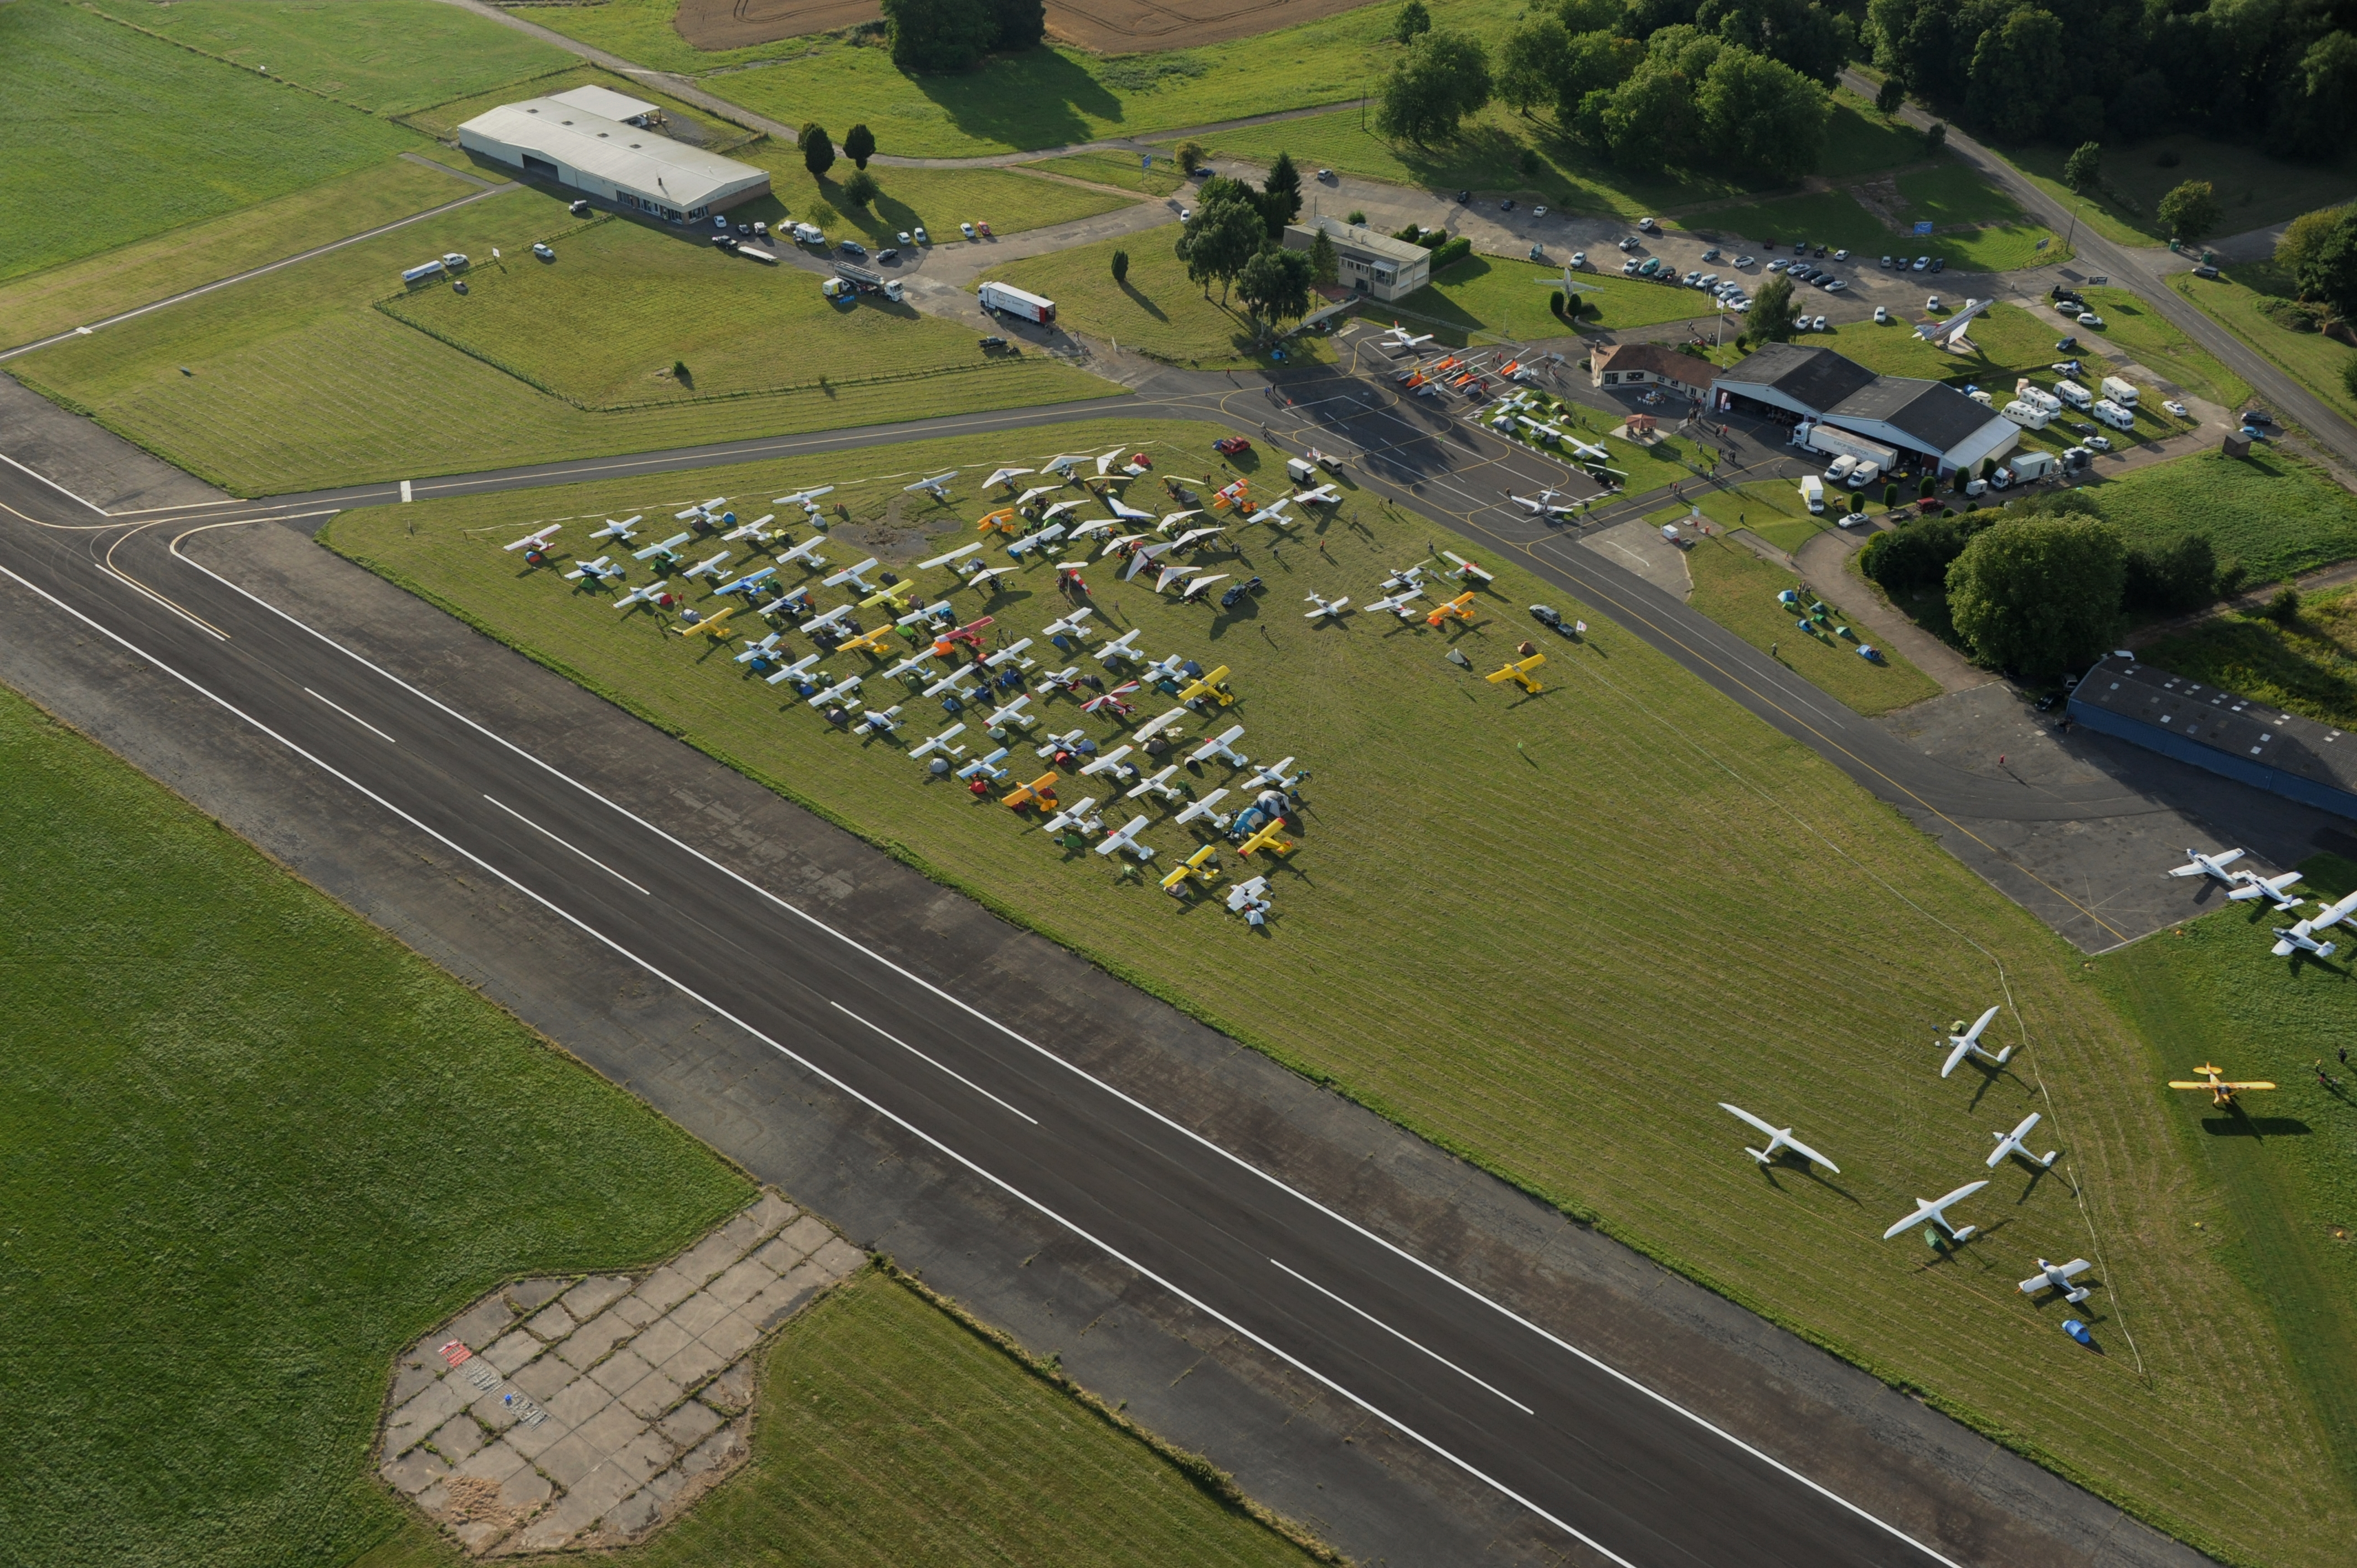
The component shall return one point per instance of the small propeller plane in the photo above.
(2222, 1089)
(2058, 1276)
(766, 648)
(1222, 745)
(878, 642)
(969, 634)
(2011, 1144)
(1213, 685)
(1465, 571)
(946, 557)
(799, 669)
(986, 767)
(1935, 1212)
(806, 500)
(749, 582)
(1401, 337)
(1040, 792)
(825, 623)
(750, 530)
(840, 691)
(657, 593)
(2200, 863)
(666, 548)
(1112, 763)
(1079, 815)
(1121, 647)
(716, 627)
(1202, 866)
(1011, 654)
(709, 566)
(940, 743)
(919, 664)
(1113, 699)
(1156, 725)
(1324, 495)
(1004, 477)
(1779, 1139)
(618, 530)
(1012, 714)
(535, 545)
(1328, 609)
(1158, 785)
(2277, 889)
(1401, 604)
(1267, 839)
(1249, 899)
(1205, 810)
(951, 681)
(1068, 741)
(1544, 504)
(1968, 1044)
(1404, 578)
(1274, 775)
(938, 610)
(854, 575)
(1459, 609)
(894, 595)
(2333, 914)
(599, 571)
(2289, 940)
(806, 552)
(1055, 680)
(1126, 841)
(1072, 624)
(880, 721)
(937, 486)
(1522, 672)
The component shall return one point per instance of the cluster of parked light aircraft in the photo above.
(2246, 887)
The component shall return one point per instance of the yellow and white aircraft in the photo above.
(2222, 1089)
(1520, 673)
(1202, 866)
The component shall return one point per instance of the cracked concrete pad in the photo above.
(596, 1437)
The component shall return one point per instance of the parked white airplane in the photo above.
(880, 721)
(817, 624)
(1936, 1210)
(2198, 863)
(2274, 888)
(1968, 1044)
(596, 571)
(1206, 809)
(709, 566)
(1112, 762)
(1158, 785)
(752, 531)
(1156, 725)
(951, 681)
(1223, 746)
(2058, 1276)
(1071, 623)
(990, 765)
(1079, 814)
(806, 552)
(854, 575)
(1002, 476)
(937, 486)
(1009, 654)
(797, 670)
(1127, 839)
(1327, 608)
(938, 610)
(613, 529)
(941, 743)
(2333, 914)
(647, 595)
(1274, 774)
(806, 500)
(539, 541)
(1778, 1138)
(1401, 338)
(1397, 604)
(2011, 1144)
(2300, 939)
(748, 583)
(1012, 714)
(1324, 495)
(668, 545)
(1121, 647)
(1249, 899)
(1064, 742)
(1544, 504)
(837, 692)
(949, 556)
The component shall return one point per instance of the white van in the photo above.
(1812, 492)
(2074, 394)
(2120, 391)
(1299, 472)
(1841, 467)
(1864, 475)
(2112, 415)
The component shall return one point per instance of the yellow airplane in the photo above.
(897, 595)
(1202, 866)
(1002, 521)
(1214, 685)
(1520, 673)
(1459, 609)
(2222, 1091)
(713, 627)
(1040, 791)
(1266, 839)
(878, 642)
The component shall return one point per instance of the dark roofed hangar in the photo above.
(2217, 731)
(1792, 383)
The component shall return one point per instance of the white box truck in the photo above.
(1015, 302)
(1300, 472)
(1840, 468)
(2028, 415)
(2023, 468)
(1812, 492)
(2112, 415)
(2120, 391)
(1825, 439)
(2074, 394)
(1864, 475)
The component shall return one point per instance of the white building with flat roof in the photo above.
(599, 154)
(1374, 264)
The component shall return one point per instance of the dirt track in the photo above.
(1106, 26)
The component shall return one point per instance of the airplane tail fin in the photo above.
(1963, 1230)
(2005, 1055)
(1756, 1155)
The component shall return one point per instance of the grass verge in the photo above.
(2254, 190)
(1118, 168)
(2240, 301)
(1490, 294)
(1738, 589)
(892, 1426)
(941, 199)
(2304, 666)
(1155, 310)
(1834, 219)
(1579, 1080)
(255, 1147)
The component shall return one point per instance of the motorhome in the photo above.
(2074, 394)
(2120, 391)
(2112, 415)
(2028, 415)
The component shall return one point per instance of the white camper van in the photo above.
(2074, 394)
(2120, 391)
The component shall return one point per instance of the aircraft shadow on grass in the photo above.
(1787, 1163)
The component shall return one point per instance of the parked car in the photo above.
(1579, 258)
(2099, 442)
(1230, 445)
(2177, 408)
(1327, 175)
(2205, 271)
(578, 208)
(2080, 427)
(888, 255)
(760, 230)
(1507, 205)
(852, 248)
(2089, 318)
(967, 229)
(719, 222)
(2066, 345)
(1463, 197)
(1881, 316)
(1693, 279)
(1932, 303)
(993, 341)
(1819, 252)
(1629, 267)
(1746, 261)
(1818, 325)
(923, 238)
(1649, 226)
(543, 251)
(2258, 416)
(1630, 243)
(1779, 264)
(1841, 255)
(1711, 255)
(1922, 261)
(902, 236)
(1834, 285)
(985, 229)
(1938, 264)
(1886, 263)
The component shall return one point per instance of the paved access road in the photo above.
(1607, 1463)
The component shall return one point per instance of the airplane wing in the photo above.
(1739, 1112)
(1798, 1147)
(1964, 1048)
(1974, 1034)
(2335, 914)
(1923, 1212)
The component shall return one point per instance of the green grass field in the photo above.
(136, 135)
(99, 286)
(384, 56)
(1772, 509)
(1054, 97)
(2132, 324)
(641, 31)
(1155, 310)
(2273, 513)
(1738, 589)
(602, 325)
(1009, 200)
(1490, 294)
(1953, 193)
(1589, 1075)
(2286, 1186)
(2236, 302)
(887, 1431)
(255, 1147)
(2308, 666)
(1859, 140)
(297, 382)
(442, 118)
(1123, 169)
(2253, 190)
(1834, 219)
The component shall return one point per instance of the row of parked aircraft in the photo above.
(2245, 886)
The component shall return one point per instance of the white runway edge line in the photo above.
(1403, 1340)
(552, 838)
(1190, 1132)
(926, 1059)
(818, 1072)
(360, 721)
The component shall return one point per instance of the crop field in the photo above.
(887, 1431)
(1835, 219)
(386, 57)
(96, 287)
(1054, 97)
(136, 135)
(1589, 1075)
(1009, 200)
(2281, 1165)
(2254, 190)
(296, 382)
(1155, 310)
(2306, 666)
(1738, 589)
(2273, 513)
(1123, 169)
(255, 1147)
(2131, 324)
(2237, 302)
(603, 324)
(1491, 293)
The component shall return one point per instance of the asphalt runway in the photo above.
(1615, 1468)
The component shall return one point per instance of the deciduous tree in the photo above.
(1414, 22)
(2084, 168)
(1533, 65)
(2018, 74)
(2327, 269)
(1772, 312)
(2189, 212)
(1219, 239)
(940, 34)
(2038, 595)
(1891, 96)
(1275, 284)
(1444, 77)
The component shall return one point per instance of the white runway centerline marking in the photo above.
(362, 722)
(928, 1061)
(576, 849)
(1403, 1340)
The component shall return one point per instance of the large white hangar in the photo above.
(1931, 420)
(592, 140)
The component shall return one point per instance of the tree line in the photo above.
(1236, 238)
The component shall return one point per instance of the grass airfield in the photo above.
(1554, 931)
